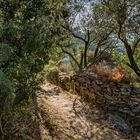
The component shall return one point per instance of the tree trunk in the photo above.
(133, 65)
(81, 61)
(72, 56)
(85, 55)
(95, 54)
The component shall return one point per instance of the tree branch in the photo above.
(135, 45)
(71, 55)
(74, 35)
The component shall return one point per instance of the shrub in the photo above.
(51, 72)
(66, 67)
(7, 93)
(117, 74)
(25, 41)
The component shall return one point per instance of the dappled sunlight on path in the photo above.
(71, 119)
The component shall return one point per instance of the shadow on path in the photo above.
(66, 117)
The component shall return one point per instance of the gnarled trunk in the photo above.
(133, 65)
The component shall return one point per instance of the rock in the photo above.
(115, 96)
(119, 122)
(98, 82)
(136, 90)
(126, 111)
(126, 86)
(127, 94)
(96, 87)
(108, 97)
(136, 109)
(112, 84)
(109, 90)
(133, 99)
(123, 89)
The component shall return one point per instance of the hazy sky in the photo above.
(83, 16)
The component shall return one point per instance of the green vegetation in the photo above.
(27, 34)
(41, 35)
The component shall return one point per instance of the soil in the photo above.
(66, 117)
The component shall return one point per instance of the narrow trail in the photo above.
(71, 119)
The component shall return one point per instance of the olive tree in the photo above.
(84, 27)
(124, 19)
(27, 32)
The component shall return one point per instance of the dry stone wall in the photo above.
(110, 95)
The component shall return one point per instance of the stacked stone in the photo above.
(111, 95)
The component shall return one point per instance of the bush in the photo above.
(18, 124)
(66, 67)
(117, 74)
(25, 41)
(51, 72)
(7, 93)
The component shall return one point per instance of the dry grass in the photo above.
(117, 74)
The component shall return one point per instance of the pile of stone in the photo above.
(110, 95)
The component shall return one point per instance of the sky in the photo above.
(83, 16)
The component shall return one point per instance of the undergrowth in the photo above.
(117, 73)
(21, 123)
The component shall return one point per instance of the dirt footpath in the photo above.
(67, 118)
